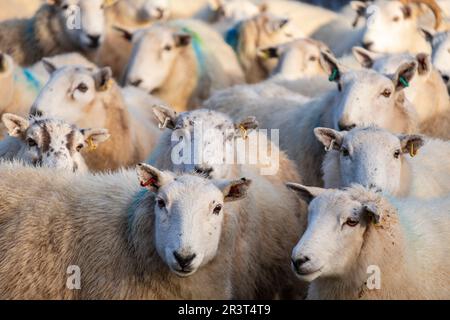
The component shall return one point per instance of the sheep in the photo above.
(48, 142)
(18, 9)
(363, 97)
(53, 30)
(183, 56)
(89, 99)
(119, 235)
(207, 143)
(377, 247)
(441, 55)
(400, 165)
(19, 87)
(426, 91)
(395, 26)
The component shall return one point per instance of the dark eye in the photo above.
(387, 93)
(397, 154)
(312, 58)
(396, 19)
(168, 48)
(217, 209)
(161, 204)
(31, 143)
(65, 7)
(345, 152)
(351, 222)
(79, 147)
(82, 87)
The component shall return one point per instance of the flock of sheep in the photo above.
(95, 93)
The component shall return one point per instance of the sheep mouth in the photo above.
(308, 276)
(183, 273)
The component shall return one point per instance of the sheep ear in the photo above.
(103, 79)
(428, 34)
(16, 125)
(360, 9)
(246, 125)
(182, 39)
(331, 139)
(268, 53)
(127, 35)
(93, 137)
(372, 211)
(234, 190)
(405, 73)
(305, 193)
(424, 65)
(411, 143)
(49, 66)
(364, 57)
(166, 117)
(331, 67)
(275, 24)
(152, 178)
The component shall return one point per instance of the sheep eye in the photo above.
(217, 209)
(168, 48)
(345, 152)
(386, 93)
(397, 154)
(65, 7)
(82, 87)
(31, 143)
(312, 59)
(79, 147)
(396, 19)
(351, 223)
(161, 204)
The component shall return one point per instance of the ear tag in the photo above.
(330, 147)
(412, 152)
(91, 145)
(404, 82)
(149, 182)
(264, 55)
(243, 132)
(333, 75)
(164, 124)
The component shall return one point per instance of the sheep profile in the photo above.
(355, 232)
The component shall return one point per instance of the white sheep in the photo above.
(426, 90)
(54, 29)
(364, 97)
(400, 165)
(127, 242)
(182, 56)
(396, 26)
(207, 142)
(92, 99)
(48, 142)
(363, 245)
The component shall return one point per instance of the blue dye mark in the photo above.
(197, 45)
(232, 37)
(29, 77)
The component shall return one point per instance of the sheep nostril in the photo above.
(446, 78)
(367, 45)
(298, 263)
(136, 83)
(184, 260)
(346, 127)
(95, 41)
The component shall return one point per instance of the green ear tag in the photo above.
(333, 75)
(404, 83)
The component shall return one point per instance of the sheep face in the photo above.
(52, 143)
(145, 10)
(189, 213)
(231, 11)
(441, 56)
(153, 57)
(371, 157)
(334, 236)
(84, 21)
(367, 97)
(297, 59)
(392, 27)
(71, 92)
(202, 140)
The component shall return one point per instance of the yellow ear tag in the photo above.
(243, 132)
(264, 55)
(107, 85)
(91, 145)
(412, 152)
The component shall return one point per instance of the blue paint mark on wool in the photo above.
(29, 78)
(135, 204)
(197, 45)
(232, 37)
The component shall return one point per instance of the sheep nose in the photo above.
(298, 263)
(446, 78)
(367, 45)
(346, 127)
(135, 83)
(36, 112)
(95, 40)
(184, 260)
